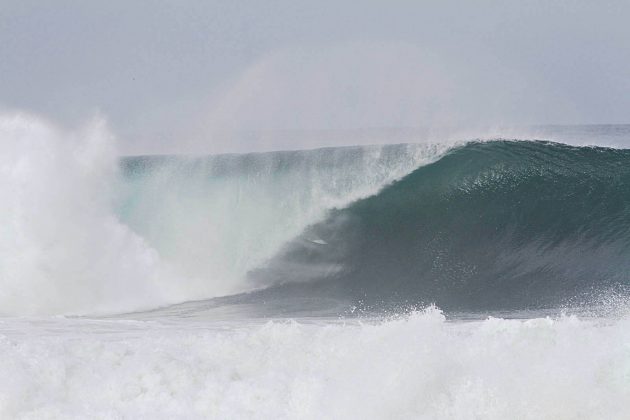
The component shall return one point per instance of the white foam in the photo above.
(61, 248)
(417, 367)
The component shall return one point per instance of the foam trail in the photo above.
(415, 367)
(62, 250)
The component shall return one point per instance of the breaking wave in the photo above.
(86, 232)
(478, 226)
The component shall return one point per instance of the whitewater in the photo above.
(464, 279)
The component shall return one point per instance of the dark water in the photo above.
(499, 225)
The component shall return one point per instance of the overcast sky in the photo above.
(175, 72)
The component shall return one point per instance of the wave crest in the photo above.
(492, 225)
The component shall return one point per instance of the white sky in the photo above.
(167, 74)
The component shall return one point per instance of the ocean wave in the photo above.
(493, 225)
(490, 225)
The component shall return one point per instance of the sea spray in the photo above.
(62, 249)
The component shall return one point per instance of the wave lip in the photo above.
(491, 225)
(214, 218)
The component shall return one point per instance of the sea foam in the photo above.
(418, 366)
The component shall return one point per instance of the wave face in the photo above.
(500, 224)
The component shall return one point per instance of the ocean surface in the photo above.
(465, 279)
